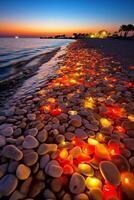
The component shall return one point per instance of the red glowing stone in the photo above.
(131, 67)
(109, 191)
(77, 142)
(114, 149)
(67, 169)
(120, 129)
(56, 111)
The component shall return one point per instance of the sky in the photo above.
(51, 17)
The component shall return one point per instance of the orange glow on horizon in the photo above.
(41, 30)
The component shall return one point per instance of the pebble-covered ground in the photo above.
(74, 138)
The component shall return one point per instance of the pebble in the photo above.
(25, 187)
(30, 142)
(44, 160)
(23, 172)
(96, 194)
(49, 195)
(56, 185)
(81, 196)
(129, 143)
(80, 133)
(121, 162)
(16, 195)
(31, 117)
(3, 169)
(7, 130)
(67, 196)
(101, 151)
(20, 111)
(30, 158)
(8, 184)
(2, 140)
(36, 188)
(42, 136)
(53, 169)
(47, 148)
(131, 161)
(76, 121)
(77, 183)
(12, 152)
(85, 169)
(68, 169)
(75, 151)
(32, 131)
(110, 172)
(12, 166)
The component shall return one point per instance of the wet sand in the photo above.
(74, 137)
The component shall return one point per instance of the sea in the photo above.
(15, 50)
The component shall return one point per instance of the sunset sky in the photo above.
(50, 17)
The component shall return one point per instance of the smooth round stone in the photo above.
(40, 175)
(16, 195)
(121, 163)
(3, 169)
(96, 194)
(23, 172)
(47, 148)
(32, 131)
(110, 172)
(44, 160)
(69, 136)
(49, 195)
(80, 133)
(42, 136)
(77, 183)
(126, 153)
(67, 196)
(53, 169)
(85, 169)
(81, 196)
(8, 184)
(68, 169)
(101, 151)
(76, 121)
(25, 187)
(131, 161)
(75, 152)
(2, 140)
(60, 138)
(12, 152)
(30, 158)
(30, 142)
(56, 185)
(36, 188)
(129, 143)
(12, 166)
(93, 182)
(7, 131)
(31, 117)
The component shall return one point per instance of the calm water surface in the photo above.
(14, 50)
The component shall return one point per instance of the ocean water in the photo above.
(14, 50)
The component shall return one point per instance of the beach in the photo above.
(71, 135)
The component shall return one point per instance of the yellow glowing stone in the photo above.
(105, 122)
(89, 102)
(63, 154)
(72, 81)
(86, 169)
(92, 142)
(41, 92)
(92, 182)
(72, 112)
(100, 137)
(131, 118)
(51, 100)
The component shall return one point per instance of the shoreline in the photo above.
(25, 70)
(75, 129)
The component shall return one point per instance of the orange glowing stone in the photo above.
(89, 102)
(56, 111)
(45, 108)
(99, 137)
(41, 92)
(67, 169)
(51, 100)
(131, 118)
(63, 154)
(105, 122)
(92, 182)
(72, 112)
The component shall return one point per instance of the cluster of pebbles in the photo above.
(73, 139)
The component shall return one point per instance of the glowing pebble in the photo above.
(72, 112)
(85, 169)
(92, 142)
(131, 118)
(105, 122)
(92, 182)
(101, 151)
(63, 154)
(67, 169)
